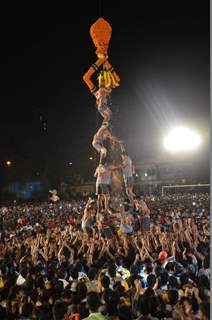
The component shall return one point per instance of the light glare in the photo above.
(182, 139)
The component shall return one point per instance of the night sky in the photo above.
(48, 116)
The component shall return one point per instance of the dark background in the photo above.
(48, 116)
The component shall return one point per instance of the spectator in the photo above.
(93, 305)
(58, 269)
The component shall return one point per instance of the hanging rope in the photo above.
(100, 8)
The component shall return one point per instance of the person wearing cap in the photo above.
(164, 258)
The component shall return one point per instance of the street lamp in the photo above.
(8, 163)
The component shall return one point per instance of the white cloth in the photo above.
(20, 280)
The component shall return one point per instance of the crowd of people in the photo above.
(149, 260)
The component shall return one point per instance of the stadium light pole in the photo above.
(181, 140)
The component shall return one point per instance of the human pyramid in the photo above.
(107, 80)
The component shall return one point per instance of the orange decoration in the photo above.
(100, 33)
(87, 76)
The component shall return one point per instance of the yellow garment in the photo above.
(38, 303)
(1, 283)
(164, 296)
(126, 301)
(181, 293)
(126, 272)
